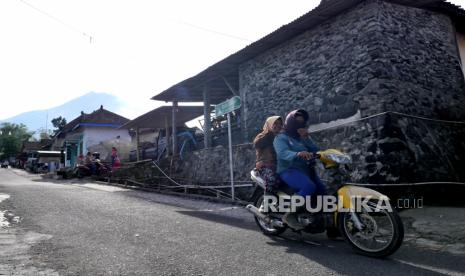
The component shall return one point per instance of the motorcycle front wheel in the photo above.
(381, 235)
(79, 174)
(266, 227)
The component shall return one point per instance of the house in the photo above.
(43, 144)
(29, 147)
(381, 79)
(153, 129)
(89, 130)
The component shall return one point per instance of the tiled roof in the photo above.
(100, 116)
(36, 145)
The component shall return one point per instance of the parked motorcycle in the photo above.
(100, 170)
(371, 231)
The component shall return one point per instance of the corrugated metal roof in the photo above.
(190, 90)
(155, 119)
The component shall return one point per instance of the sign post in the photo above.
(231, 168)
(227, 107)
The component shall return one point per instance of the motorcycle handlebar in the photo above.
(314, 157)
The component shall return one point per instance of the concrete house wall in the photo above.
(94, 136)
(101, 139)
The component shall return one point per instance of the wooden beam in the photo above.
(167, 135)
(206, 117)
(137, 144)
(233, 91)
(175, 134)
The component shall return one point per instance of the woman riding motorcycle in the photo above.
(373, 230)
(294, 148)
(266, 156)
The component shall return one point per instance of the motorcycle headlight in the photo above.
(339, 158)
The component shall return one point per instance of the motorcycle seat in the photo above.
(283, 187)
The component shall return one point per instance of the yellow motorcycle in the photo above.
(362, 216)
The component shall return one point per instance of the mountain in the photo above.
(89, 102)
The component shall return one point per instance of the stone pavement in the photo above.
(436, 228)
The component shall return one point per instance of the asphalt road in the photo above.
(65, 228)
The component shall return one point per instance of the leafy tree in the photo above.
(58, 123)
(11, 139)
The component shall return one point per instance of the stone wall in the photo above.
(392, 148)
(386, 149)
(420, 63)
(206, 167)
(211, 166)
(375, 57)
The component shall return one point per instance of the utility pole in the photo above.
(46, 125)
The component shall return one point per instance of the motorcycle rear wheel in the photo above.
(265, 227)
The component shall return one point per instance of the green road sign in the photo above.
(228, 106)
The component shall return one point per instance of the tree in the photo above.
(11, 139)
(58, 123)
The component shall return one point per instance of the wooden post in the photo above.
(206, 117)
(167, 135)
(174, 132)
(137, 144)
(233, 91)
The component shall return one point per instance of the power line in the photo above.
(215, 32)
(384, 113)
(69, 26)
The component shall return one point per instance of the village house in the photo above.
(382, 79)
(152, 132)
(87, 131)
(29, 147)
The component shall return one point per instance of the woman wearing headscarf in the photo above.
(266, 156)
(294, 148)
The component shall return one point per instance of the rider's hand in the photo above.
(303, 132)
(305, 155)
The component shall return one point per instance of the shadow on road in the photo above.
(408, 260)
(318, 248)
(220, 218)
(43, 179)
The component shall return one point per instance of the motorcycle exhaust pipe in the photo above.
(254, 210)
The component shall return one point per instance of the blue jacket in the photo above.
(287, 148)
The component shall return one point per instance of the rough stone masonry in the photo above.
(376, 57)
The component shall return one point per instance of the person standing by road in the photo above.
(115, 162)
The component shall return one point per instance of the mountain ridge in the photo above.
(37, 119)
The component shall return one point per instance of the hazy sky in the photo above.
(138, 49)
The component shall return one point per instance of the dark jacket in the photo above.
(266, 155)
